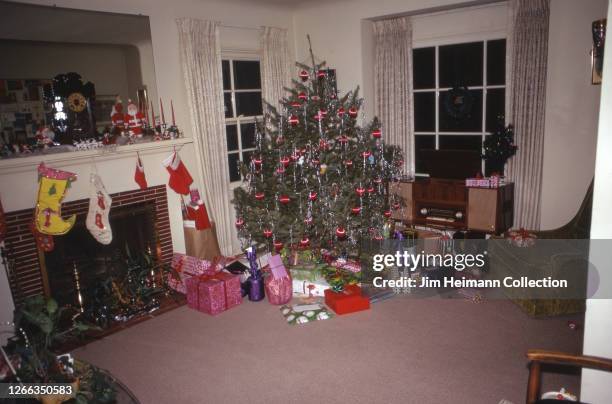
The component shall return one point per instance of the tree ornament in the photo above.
(315, 162)
(280, 170)
(260, 196)
(312, 196)
(323, 169)
(366, 154)
(305, 241)
(323, 112)
(315, 98)
(302, 96)
(239, 223)
(360, 191)
(343, 140)
(285, 161)
(387, 213)
(293, 120)
(341, 112)
(304, 75)
(296, 104)
(267, 233)
(377, 133)
(280, 140)
(378, 237)
(378, 180)
(323, 145)
(321, 74)
(284, 199)
(352, 112)
(396, 205)
(278, 245)
(356, 210)
(371, 190)
(257, 161)
(308, 220)
(340, 232)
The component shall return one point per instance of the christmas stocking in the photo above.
(139, 175)
(52, 185)
(199, 214)
(99, 206)
(180, 179)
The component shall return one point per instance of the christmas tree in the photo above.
(499, 147)
(317, 179)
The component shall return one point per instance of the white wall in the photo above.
(598, 319)
(572, 106)
(572, 102)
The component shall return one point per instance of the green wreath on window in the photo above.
(458, 102)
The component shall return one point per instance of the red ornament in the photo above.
(323, 112)
(267, 233)
(323, 145)
(396, 205)
(366, 154)
(348, 163)
(343, 139)
(278, 245)
(257, 161)
(295, 156)
(285, 161)
(308, 220)
(352, 112)
(387, 213)
(378, 237)
(296, 104)
(340, 232)
(304, 242)
(280, 140)
(356, 210)
(378, 180)
(293, 120)
(341, 112)
(371, 190)
(315, 98)
(360, 191)
(312, 196)
(239, 222)
(318, 116)
(284, 199)
(280, 170)
(321, 74)
(376, 133)
(259, 196)
(304, 75)
(302, 96)
(315, 162)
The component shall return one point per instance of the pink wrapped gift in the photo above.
(176, 284)
(182, 263)
(279, 290)
(233, 295)
(206, 294)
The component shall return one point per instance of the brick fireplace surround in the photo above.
(22, 247)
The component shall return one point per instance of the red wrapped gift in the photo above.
(176, 284)
(349, 300)
(193, 265)
(279, 290)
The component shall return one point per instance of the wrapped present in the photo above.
(309, 288)
(349, 300)
(348, 265)
(521, 238)
(182, 263)
(305, 313)
(278, 284)
(176, 283)
(213, 294)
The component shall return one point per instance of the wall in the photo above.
(572, 102)
(572, 106)
(104, 65)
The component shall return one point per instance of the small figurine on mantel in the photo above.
(117, 117)
(135, 120)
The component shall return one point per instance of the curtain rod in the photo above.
(440, 9)
(246, 27)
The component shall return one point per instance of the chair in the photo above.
(538, 357)
(508, 261)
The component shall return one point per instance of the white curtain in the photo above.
(527, 52)
(200, 55)
(275, 64)
(393, 84)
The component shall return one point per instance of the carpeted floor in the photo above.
(401, 351)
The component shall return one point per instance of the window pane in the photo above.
(246, 156)
(247, 134)
(248, 104)
(422, 142)
(461, 64)
(225, 67)
(496, 101)
(461, 142)
(232, 137)
(232, 165)
(425, 112)
(227, 99)
(496, 62)
(424, 68)
(246, 75)
(469, 120)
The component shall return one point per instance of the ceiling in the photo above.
(20, 21)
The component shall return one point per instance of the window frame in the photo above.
(238, 120)
(436, 44)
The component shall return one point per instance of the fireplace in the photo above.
(139, 220)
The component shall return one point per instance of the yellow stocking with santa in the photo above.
(52, 185)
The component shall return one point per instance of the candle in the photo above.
(172, 109)
(161, 108)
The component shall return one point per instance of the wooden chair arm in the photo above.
(561, 358)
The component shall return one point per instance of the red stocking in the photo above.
(180, 179)
(139, 175)
(200, 215)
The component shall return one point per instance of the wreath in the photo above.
(458, 102)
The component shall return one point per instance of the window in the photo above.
(243, 103)
(478, 66)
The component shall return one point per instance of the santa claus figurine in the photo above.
(135, 119)
(117, 116)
